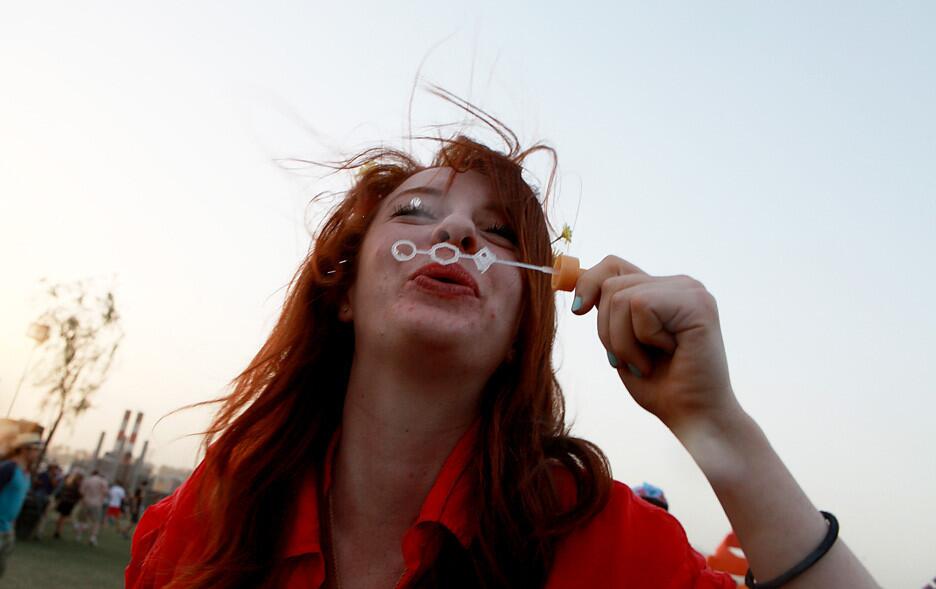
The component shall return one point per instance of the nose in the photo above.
(457, 230)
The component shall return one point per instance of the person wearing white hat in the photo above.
(14, 483)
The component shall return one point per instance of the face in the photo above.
(32, 454)
(419, 302)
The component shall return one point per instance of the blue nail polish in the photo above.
(576, 304)
(634, 370)
(612, 360)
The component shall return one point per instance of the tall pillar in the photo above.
(122, 434)
(133, 434)
(119, 444)
(97, 453)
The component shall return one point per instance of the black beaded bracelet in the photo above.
(811, 559)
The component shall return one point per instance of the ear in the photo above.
(345, 314)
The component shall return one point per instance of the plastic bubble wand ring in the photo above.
(565, 272)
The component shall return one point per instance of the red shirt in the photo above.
(630, 543)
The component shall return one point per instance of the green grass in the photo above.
(50, 564)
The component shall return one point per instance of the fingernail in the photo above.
(576, 304)
(634, 370)
(612, 360)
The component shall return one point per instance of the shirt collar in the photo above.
(449, 502)
(452, 496)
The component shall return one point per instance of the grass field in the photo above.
(66, 564)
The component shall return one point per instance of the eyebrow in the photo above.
(430, 190)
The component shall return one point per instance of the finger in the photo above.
(589, 285)
(625, 349)
(611, 314)
(648, 326)
(659, 315)
(609, 288)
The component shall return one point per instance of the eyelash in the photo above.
(498, 229)
(504, 231)
(408, 209)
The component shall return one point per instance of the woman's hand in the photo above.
(663, 336)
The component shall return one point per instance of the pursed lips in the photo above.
(450, 274)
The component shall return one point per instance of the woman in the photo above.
(68, 496)
(402, 426)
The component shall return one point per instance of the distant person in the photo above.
(94, 492)
(45, 484)
(652, 495)
(115, 501)
(66, 500)
(14, 484)
(134, 508)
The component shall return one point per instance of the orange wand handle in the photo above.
(566, 272)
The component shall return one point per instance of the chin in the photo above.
(442, 329)
(439, 330)
(436, 327)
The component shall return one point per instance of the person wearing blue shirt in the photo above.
(14, 483)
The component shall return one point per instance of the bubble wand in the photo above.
(565, 271)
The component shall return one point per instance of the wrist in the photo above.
(721, 442)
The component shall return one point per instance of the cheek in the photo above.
(373, 261)
(508, 311)
(379, 278)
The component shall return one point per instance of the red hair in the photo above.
(285, 406)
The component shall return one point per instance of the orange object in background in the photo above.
(726, 560)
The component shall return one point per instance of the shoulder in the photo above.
(633, 543)
(626, 520)
(7, 468)
(10, 471)
(166, 532)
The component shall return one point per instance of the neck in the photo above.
(21, 460)
(401, 420)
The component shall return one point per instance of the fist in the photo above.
(663, 336)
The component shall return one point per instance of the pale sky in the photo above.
(782, 153)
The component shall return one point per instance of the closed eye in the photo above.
(409, 210)
(503, 231)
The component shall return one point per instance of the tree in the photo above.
(84, 335)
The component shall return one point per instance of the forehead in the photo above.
(446, 182)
